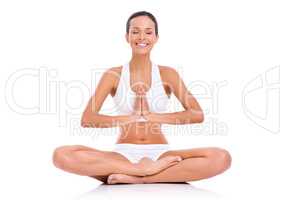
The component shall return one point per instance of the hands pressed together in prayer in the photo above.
(141, 110)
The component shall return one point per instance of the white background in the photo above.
(229, 54)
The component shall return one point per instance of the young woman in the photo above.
(141, 91)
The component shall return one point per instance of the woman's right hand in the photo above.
(137, 109)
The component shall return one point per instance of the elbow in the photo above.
(86, 122)
(201, 117)
(196, 116)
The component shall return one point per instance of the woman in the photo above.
(141, 90)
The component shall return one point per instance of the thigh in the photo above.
(72, 148)
(191, 153)
(110, 154)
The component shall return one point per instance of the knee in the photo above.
(60, 157)
(221, 159)
(70, 157)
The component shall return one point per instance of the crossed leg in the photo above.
(197, 164)
(72, 158)
(99, 164)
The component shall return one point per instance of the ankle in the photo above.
(144, 179)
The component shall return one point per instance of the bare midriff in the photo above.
(141, 133)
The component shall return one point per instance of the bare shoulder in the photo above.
(169, 77)
(168, 73)
(114, 73)
(115, 70)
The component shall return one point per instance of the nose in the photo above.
(141, 36)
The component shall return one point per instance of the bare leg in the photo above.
(152, 167)
(201, 163)
(123, 178)
(92, 162)
(99, 164)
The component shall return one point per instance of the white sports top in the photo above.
(124, 98)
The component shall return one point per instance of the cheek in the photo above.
(152, 39)
(132, 40)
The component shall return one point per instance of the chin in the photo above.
(141, 52)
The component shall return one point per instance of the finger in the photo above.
(141, 88)
(140, 105)
(145, 105)
(141, 92)
(137, 106)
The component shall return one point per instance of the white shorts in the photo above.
(135, 152)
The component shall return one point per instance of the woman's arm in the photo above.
(91, 116)
(181, 117)
(193, 112)
(106, 121)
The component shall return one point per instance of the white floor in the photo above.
(257, 172)
(148, 191)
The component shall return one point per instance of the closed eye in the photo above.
(135, 32)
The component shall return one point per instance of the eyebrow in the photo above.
(139, 28)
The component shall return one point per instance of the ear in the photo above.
(127, 37)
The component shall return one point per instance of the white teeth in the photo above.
(142, 45)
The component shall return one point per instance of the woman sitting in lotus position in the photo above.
(141, 90)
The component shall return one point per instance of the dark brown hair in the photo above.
(142, 13)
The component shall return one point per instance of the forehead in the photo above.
(143, 22)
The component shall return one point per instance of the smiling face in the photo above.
(141, 36)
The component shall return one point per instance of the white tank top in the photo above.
(124, 98)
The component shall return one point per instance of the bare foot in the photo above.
(152, 167)
(149, 166)
(123, 178)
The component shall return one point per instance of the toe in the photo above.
(178, 158)
(111, 179)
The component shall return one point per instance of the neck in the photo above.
(140, 62)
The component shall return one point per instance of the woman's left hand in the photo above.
(145, 106)
(146, 113)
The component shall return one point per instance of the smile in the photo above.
(142, 45)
